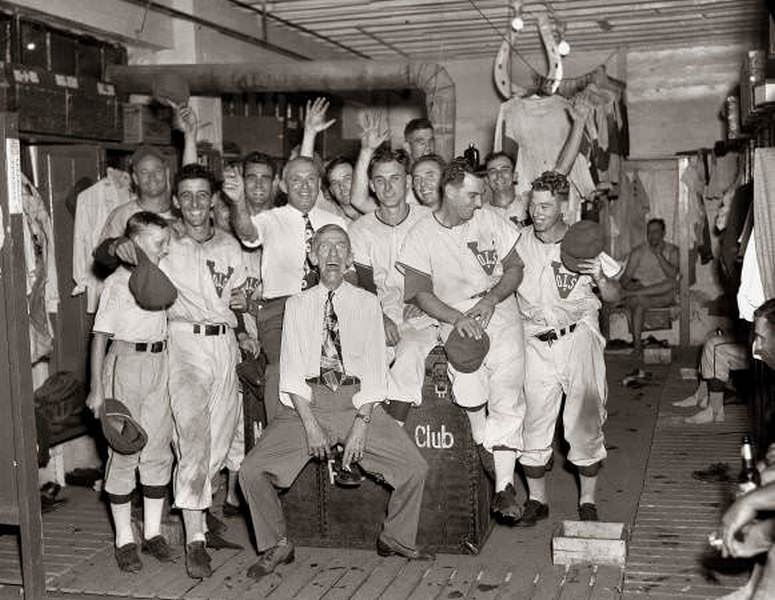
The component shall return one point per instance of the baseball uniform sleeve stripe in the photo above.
(366, 278)
(415, 282)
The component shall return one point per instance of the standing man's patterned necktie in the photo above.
(331, 365)
(310, 273)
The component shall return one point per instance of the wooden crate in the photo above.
(455, 515)
(578, 542)
(657, 356)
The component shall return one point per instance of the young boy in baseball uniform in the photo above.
(135, 372)
(460, 268)
(563, 351)
(376, 241)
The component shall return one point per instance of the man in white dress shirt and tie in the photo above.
(333, 377)
(284, 233)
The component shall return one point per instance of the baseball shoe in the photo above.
(534, 511)
(588, 512)
(505, 508)
(387, 547)
(281, 554)
(216, 542)
(158, 547)
(197, 561)
(127, 558)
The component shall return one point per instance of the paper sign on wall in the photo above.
(14, 175)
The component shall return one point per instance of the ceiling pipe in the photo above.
(319, 76)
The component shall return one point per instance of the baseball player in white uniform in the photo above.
(460, 267)
(504, 199)
(205, 265)
(563, 351)
(135, 372)
(376, 240)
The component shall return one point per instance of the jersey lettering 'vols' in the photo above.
(487, 259)
(564, 280)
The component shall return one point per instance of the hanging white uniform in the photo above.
(93, 206)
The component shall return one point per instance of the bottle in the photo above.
(472, 156)
(749, 475)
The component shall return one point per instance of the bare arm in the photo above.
(669, 266)
(632, 265)
(96, 397)
(513, 270)
(314, 123)
(319, 441)
(234, 194)
(189, 124)
(610, 289)
(374, 133)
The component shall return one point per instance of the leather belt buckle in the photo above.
(209, 329)
(153, 348)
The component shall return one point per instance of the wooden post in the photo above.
(684, 241)
(20, 469)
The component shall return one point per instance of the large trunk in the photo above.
(328, 76)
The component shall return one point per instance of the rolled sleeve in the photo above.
(257, 224)
(374, 362)
(292, 355)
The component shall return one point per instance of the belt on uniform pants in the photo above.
(152, 347)
(210, 329)
(345, 381)
(553, 335)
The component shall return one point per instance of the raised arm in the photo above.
(314, 123)
(374, 132)
(669, 265)
(188, 122)
(234, 194)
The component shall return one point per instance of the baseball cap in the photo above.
(122, 432)
(149, 285)
(466, 354)
(144, 150)
(582, 241)
(171, 88)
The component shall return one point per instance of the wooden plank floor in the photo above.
(514, 564)
(669, 555)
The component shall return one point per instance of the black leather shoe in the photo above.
(588, 512)
(127, 558)
(533, 512)
(158, 547)
(197, 561)
(391, 548)
(281, 554)
(216, 542)
(505, 508)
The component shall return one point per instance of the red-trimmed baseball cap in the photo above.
(466, 354)
(122, 432)
(149, 285)
(583, 240)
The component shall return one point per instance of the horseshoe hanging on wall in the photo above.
(501, 68)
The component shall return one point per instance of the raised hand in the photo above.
(374, 130)
(233, 187)
(186, 120)
(315, 120)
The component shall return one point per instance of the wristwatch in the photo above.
(363, 417)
